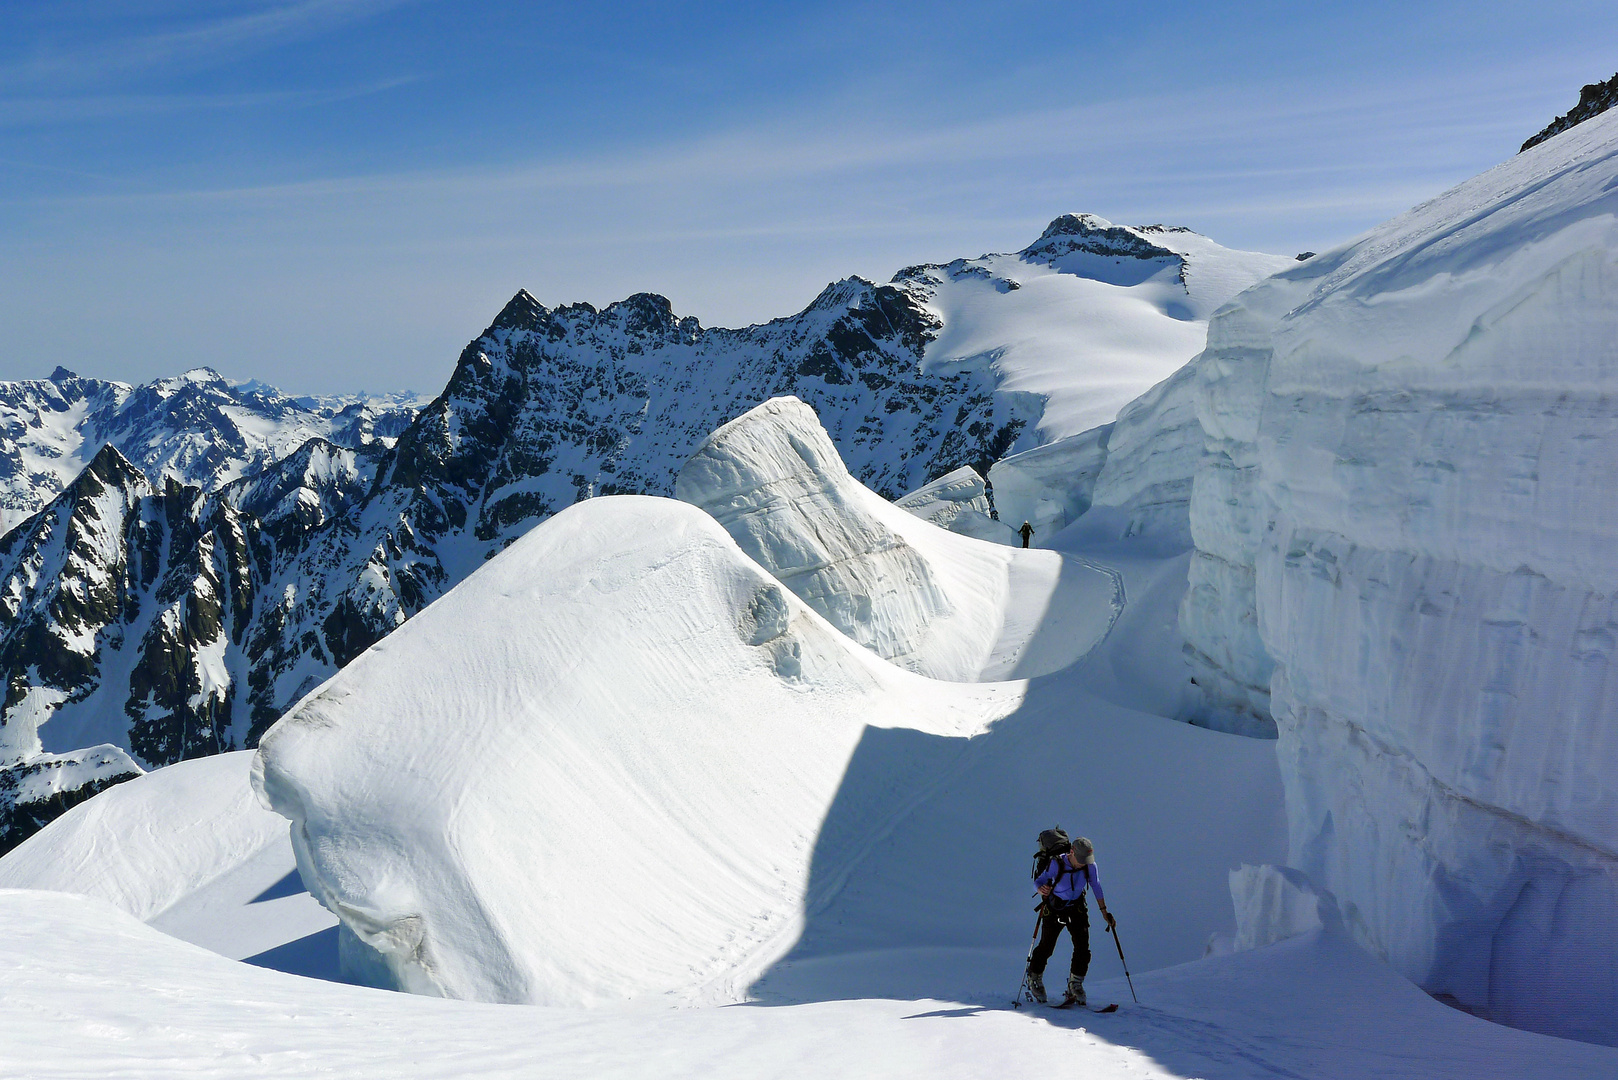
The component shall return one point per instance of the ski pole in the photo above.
(1032, 942)
(1114, 928)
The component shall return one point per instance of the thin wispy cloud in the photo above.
(1110, 140)
(260, 175)
(206, 42)
(32, 111)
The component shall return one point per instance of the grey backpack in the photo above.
(1052, 842)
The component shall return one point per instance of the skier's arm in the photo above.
(1043, 883)
(1095, 887)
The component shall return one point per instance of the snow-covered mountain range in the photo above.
(156, 612)
(197, 428)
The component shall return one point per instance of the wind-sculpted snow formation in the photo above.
(1405, 535)
(189, 850)
(593, 771)
(926, 599)
(146, 844)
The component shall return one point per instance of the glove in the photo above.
(1112, 923)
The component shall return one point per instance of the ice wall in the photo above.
(1144, 486)
(1424, 488)
(1230, 665)
(1050, 486)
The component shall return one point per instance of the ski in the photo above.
(1092, 1008)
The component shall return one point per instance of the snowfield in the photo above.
(1089, 315)
(86, 991)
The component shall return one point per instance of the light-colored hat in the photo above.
(1085, 850)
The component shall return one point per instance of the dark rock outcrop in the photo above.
(1594, 99)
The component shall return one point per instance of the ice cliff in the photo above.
(958, 501)
(1405, 556)
(938, 603)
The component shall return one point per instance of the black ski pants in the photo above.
(1076, 918)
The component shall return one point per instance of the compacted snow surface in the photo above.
(87, 991)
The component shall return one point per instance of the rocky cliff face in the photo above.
(1594, 99)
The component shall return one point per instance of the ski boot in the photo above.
(1075, 993)
(1036, 986)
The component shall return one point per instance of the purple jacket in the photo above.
(1070, 883)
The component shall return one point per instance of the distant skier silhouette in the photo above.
(1027, 532)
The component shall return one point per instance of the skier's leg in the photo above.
(1080, 930)
(1049, 931)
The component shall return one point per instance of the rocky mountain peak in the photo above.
(646, 315)
(201, 376)
(1594, 99)
(522, 312)
(109, 468)
(1098, 236)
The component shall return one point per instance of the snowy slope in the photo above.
(1088, 316)
(87, 991)
(197, 428)
(1412, 438)
(927, 599)
(187, 849)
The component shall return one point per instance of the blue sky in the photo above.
(337, 194)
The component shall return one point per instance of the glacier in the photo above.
(1404, 561)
